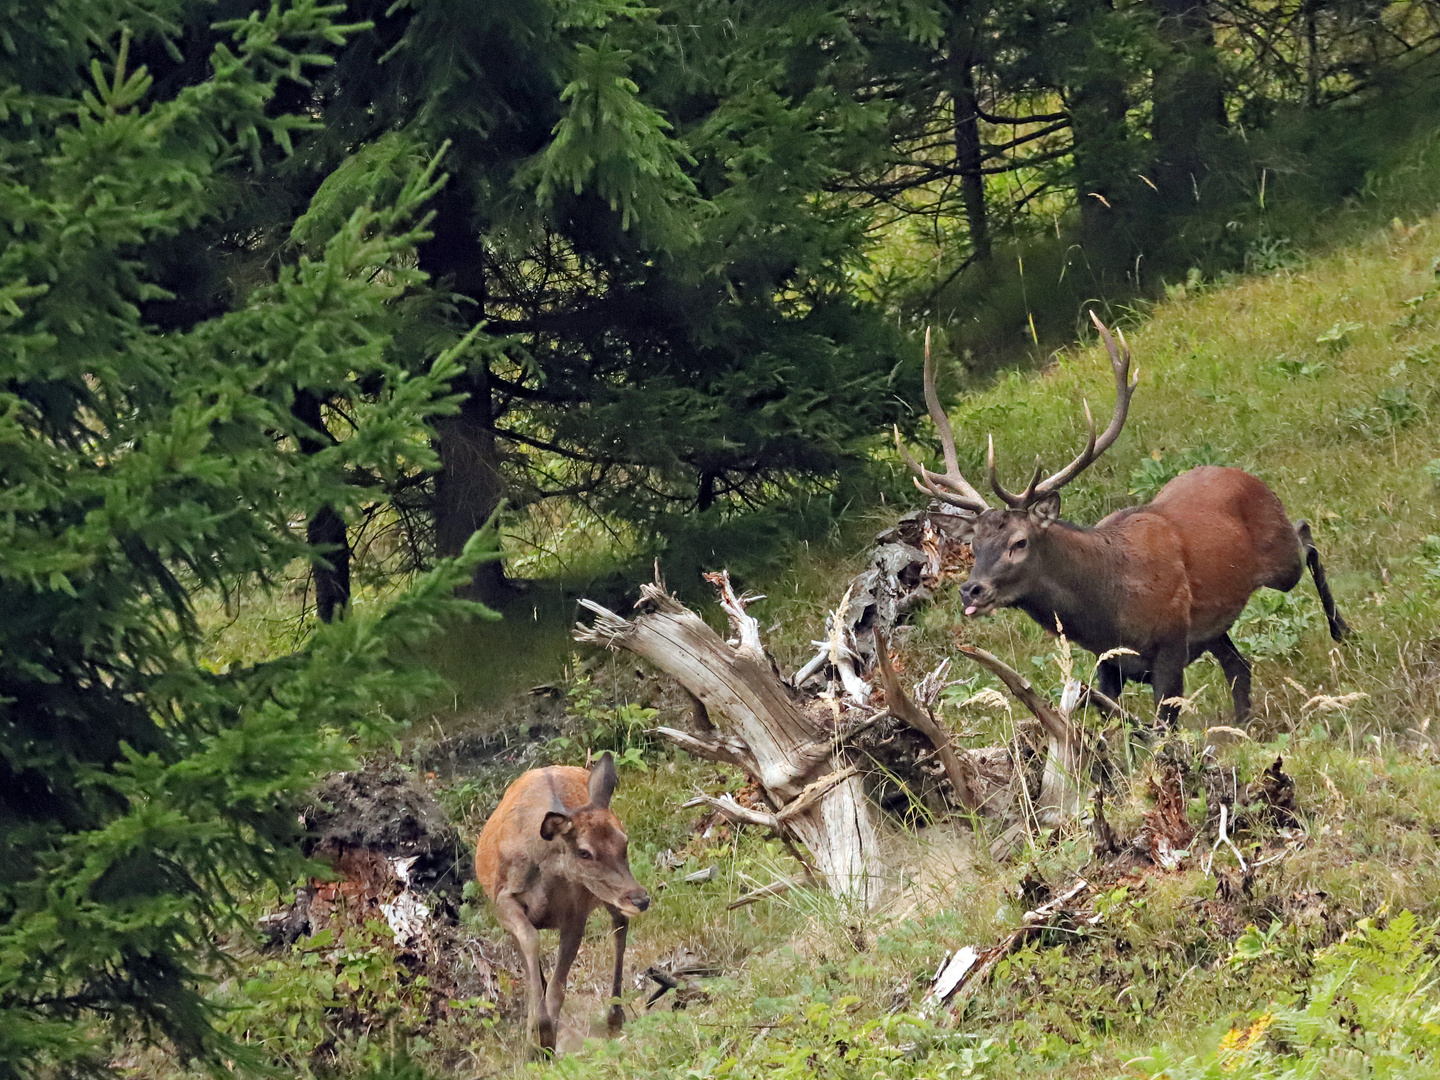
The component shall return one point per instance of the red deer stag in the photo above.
(552, 852)
(1165, 580)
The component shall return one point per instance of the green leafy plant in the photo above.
(1338, 336)
(1390, 410)
(1292, 368)
(1274, 623)
(1370, 1011)
(623, 729)
(1159, 469)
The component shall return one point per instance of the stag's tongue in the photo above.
(970, 610)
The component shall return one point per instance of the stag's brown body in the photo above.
(1161, 583)
(551, 853)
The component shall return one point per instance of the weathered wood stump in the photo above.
(802, 746)
(804, 771)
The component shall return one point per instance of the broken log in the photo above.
(746, 701)
(1072, 753)
(921, 717)
(965, 971)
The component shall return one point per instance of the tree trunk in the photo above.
(1312, 55)
(470, 484)
(1189, 102)
(1101, 151)
(1102, 159)
(327, 537)
(325, 533)
(968, 151)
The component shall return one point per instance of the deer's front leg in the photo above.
(512, 916)
(615, 1019)
(570, 934)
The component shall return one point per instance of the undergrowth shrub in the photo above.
(1275, 624)
(622, 728)
(1371, 1011)
(1391, 409)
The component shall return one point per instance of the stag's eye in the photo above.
(583, 853)
(1019, 545)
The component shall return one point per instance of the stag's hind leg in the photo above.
(1338, 627)
(1237, 673)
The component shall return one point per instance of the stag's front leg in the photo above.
(615, 1019)
(1167, 677)
(1109, 680)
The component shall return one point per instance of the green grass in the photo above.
(1322, 379)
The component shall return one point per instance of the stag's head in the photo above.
(1009, 544)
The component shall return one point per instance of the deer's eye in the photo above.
(583, 853)
(1019, 545)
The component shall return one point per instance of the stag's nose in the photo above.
(639, 899)
(972, 594)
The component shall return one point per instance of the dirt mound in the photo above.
(383, 809)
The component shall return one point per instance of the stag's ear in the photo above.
(602, 781)
(556, 824)
(1045, 511)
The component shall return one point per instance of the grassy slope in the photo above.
(1343, 429)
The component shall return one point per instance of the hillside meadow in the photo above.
(1320, 378)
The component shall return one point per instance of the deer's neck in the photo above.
(1079, 587)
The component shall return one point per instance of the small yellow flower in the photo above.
(1237, 1041)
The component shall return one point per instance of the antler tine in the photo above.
(1015, 502)
(929, 482)
(1124, 388)
(961, 493)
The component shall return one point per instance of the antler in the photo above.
(1124, 388)
(960, 492)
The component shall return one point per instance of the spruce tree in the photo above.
(142, 792)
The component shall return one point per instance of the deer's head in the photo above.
(597, 849)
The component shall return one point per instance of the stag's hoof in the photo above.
(615, 1019)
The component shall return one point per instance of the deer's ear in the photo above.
(602, 781)
(556, 824)
(1045, 511)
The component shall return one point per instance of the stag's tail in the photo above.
(1338, 626)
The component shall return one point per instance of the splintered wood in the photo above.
(810, 749)
(803, 771)
(963, 973)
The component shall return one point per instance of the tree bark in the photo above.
(968, 151)
(325, 532)
(470, 484)
(1188, 98)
